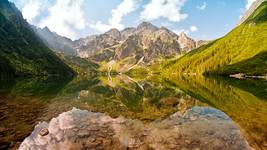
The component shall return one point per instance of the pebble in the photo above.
(264, 143)
(44, 132)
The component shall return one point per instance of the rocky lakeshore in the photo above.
(198, 128)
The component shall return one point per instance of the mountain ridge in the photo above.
(107, 46)
(22, 51)
(145, 32)
(54, 41)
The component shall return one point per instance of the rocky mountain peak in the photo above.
(114, 33)
(146, 40)
(186, 43)
(146, 26)
(183, 35)
(46, 29)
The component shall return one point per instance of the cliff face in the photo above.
(252, 8)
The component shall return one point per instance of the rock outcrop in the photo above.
(198, 128)
(201, 43)
(93, 45)
(186, 43)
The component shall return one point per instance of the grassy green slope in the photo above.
(256, 65)
(21, 51)
(243, 49)
(81, 66)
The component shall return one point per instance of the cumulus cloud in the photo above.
(167, 9)
(193, 28)
(203, 6)
(249, 3)
(123, 9)
(190, 30)
(65, 16)
(31, 8)
(178, 32)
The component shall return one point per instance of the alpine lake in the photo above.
(25, 102)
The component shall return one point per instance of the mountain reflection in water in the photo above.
(26, 102)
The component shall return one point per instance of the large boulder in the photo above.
(198, 128)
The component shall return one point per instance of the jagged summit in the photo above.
(146, 26)
(146, 40)
(186, 43)
(114, 33)
(183, 34)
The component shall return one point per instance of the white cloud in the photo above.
(193, 28)
(203, 6)
(123, 9)
(31, 9)
(249, 3)
(65, 16)
(167, 24)
(190, 30)
(178, 32)
(168, 9)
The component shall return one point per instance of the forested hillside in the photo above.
(21, 51)
(243, 50)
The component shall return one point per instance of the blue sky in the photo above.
(201, 19)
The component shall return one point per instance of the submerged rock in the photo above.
(79, 129)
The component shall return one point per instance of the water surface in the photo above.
(25, 102)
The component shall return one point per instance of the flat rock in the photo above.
(79, 129)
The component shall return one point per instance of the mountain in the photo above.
(187, 44)
(91, 45)
(149, 42)
(243, 50)
(248, 13)
(22, 52)
(55, 42)
(143, 44)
